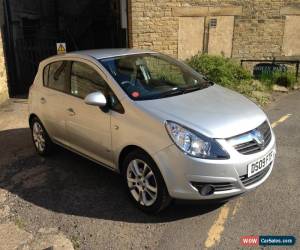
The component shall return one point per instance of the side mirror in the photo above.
(96, 99)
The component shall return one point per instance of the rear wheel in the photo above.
(145, 183)
(41, 140)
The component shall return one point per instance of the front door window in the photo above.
(85, 80)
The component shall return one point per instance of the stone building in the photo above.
(235, 28)
(242, 29)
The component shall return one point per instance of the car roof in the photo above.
(106, 53)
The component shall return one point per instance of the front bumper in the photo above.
(182, 173)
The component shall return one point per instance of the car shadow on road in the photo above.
(69, 184)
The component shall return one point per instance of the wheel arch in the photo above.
(31, 117)
(125, 151)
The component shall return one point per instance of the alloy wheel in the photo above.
(39, 137)
(142, 182)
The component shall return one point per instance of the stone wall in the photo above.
(258, 31)
(3, 79)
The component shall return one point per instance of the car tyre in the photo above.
(41, 140)
(144, 182)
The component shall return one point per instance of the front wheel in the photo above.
(145, 183)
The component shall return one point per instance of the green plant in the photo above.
(286, 79)
(254, 91)
(219, 69)
(228, 73)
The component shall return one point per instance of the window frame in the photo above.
(47, 67)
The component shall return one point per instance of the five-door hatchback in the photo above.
(167, 129)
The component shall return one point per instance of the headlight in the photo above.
(195, 144)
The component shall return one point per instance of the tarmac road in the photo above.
(69, 196)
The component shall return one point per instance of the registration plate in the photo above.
(261, 164)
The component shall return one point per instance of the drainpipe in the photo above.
(206, 35)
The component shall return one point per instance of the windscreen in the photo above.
(153, 76)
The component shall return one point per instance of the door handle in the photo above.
(43, 100)
(71, 111)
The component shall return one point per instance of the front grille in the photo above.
(252, 144)
(247, 181)
(222, 186)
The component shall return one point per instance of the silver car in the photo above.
(170, 132)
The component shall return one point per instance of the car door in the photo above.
(52, 99)
(88, 127)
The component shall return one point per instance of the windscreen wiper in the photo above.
(192, 89)
(173, 92)
(198, 87)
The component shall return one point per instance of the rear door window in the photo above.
(56, 75)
